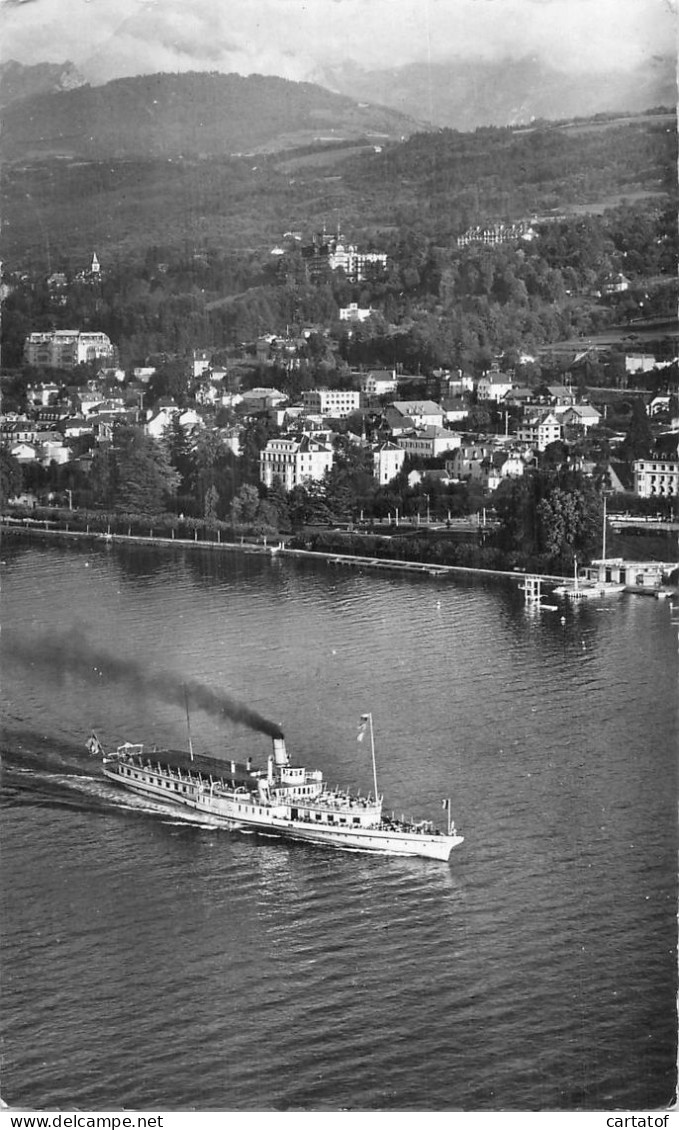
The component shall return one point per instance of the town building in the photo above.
(379, 382)
(640, 362)
(539, 431)
(335, 402)
(656, 477)
(501, 465)
(493, 386)
(64, 349)
(455, 410)
(388, 459)
(294, 461)
(429, 442)
(420, 413)
(355, 313)
(579, 416)
(466, 462)
(262, 399)
(201, 362)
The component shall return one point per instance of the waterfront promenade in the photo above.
(636, 582)
(258, 546)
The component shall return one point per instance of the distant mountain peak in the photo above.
(19, 81)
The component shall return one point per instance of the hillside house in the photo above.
(616, 284)
(355, 313)
(494, 387)
(201, 361)
(579, 416)
(379, 382)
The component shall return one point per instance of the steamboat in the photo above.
(280, 800)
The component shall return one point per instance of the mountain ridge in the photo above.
(189, 114)
(467, 94)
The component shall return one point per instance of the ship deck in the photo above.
(201, 763)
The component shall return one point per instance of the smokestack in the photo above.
(280, 753)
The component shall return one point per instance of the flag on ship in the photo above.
(445, 804)
(362, 727)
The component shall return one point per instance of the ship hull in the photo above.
(239, 814)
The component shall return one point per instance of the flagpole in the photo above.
(372, 747)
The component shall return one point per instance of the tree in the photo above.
(104, 477)
(211, 500)
(146, 480)
(569, 519)
(639, 438)
(278, 500)
(256, 434)
(10, 476)
(179, 450)
(245, 505)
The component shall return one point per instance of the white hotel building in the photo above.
(294, 462)
(64, 349)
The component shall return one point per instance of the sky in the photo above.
(296, 38)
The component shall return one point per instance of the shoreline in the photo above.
(279, 549)
(431, 569)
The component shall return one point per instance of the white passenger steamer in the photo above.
(282, 800)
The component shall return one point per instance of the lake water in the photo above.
(152, 963)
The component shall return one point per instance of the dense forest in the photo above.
(433, 306)
(435, 183)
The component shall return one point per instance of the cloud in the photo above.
(294, 38)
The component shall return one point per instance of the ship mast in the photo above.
(372, 750)
(188, 721)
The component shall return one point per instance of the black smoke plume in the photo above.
(58, 658)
